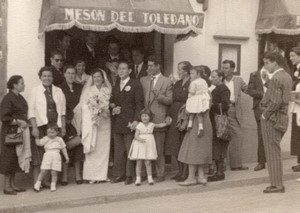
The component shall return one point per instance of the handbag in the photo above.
(14, 136)
(71, 138)
(222, 125)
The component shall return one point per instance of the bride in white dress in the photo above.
(96, 126)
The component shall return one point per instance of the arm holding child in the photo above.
(137, 136)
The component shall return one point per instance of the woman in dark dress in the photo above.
(72, 93)
(295, 134)
(220, 95)
(174, 136)
(47, 105)
(13, 112)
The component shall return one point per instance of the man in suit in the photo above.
(88, 53)
(236, 86)
(158, 96)
(274, 119)
(139, 66)
(57, 62)
(127, 102)
(64, 42)
(256, 89)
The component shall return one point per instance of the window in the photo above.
(230, 52)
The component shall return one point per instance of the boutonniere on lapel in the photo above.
(127, 88)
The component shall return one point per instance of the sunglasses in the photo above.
(57, 60)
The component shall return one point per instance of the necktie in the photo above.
(150, 89)
(136, 72)
(122, 85)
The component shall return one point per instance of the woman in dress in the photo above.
(196, 150)
(295, 109)
(96, 127)
(72, 93)
(47, 105)
(220, 96)
(174, 135)
(14, 113)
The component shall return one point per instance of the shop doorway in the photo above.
(152, 43)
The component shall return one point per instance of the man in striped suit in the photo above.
(274, 118)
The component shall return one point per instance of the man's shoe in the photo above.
(295, 167)
(129, 180)
(260, 166)
(240, 168)
(117, 179)
(274, 189)
(9, 192)
(160, 179)
(216, 178)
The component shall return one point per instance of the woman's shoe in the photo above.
(79, 182)
(64, 183)
(188, 183)
(9, 192)
(181, 179)
(216, 177)
(202, 182)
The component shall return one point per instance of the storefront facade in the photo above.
(228, 32)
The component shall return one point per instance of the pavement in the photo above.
(73, 195)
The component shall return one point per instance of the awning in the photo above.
(164, 16)
(278, 16)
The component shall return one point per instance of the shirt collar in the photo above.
(156, 76)
(276, 71)
(114, 57)
(298, 66)
(125, 81)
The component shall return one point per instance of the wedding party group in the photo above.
(120, 111)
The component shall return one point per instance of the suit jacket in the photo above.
(159, 103)
(239, 87)
(256, 91)
(276, 100)
(131, 101)
(58, 76)
(90, 60)
(143, 72)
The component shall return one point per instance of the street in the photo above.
(240, 199)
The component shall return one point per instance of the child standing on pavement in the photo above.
(53, 144)
(143, 147)
(198, 100)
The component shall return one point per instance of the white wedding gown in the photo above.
(95, 140)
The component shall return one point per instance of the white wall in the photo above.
(25, 50)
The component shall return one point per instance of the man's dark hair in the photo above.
(43, 69)
(274, 56)
(56, 52)
(61, 35)
(230, 62)
(154, 59)
(139, 49)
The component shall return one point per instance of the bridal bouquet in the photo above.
(99, 106)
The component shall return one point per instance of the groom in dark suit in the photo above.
(274, 119)
(127, 101)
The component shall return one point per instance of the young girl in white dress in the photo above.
(143, 146)
(51, 159)
(198, 100)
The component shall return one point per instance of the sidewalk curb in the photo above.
(140, 195)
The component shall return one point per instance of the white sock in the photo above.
(37, 185)
(53, 187)
(150, 179)
(138, 179)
